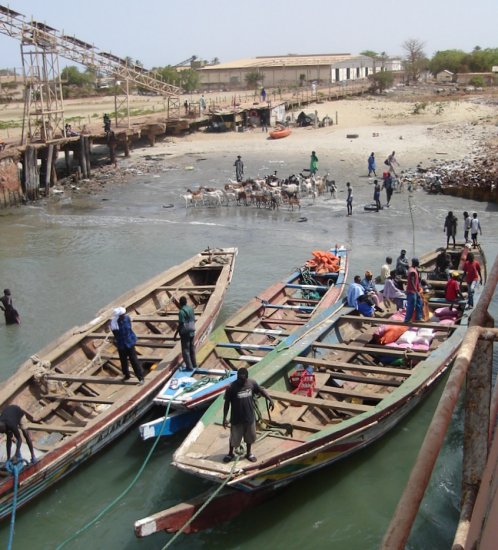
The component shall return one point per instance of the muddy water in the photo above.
(65, 260)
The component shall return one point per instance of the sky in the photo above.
(167, 32)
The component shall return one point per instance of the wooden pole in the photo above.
(84, 171)
(48, 168)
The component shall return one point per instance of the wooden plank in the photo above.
(155, 318)
(314, 402)
(297, 308)
(109, 356)
(332, 365)
(366, 379)
(52, 428)
(266, 331)
(381, 350)
(307, 287)
(139, 336)
(187, 288)
(80, 398)
(303, 301)
(284, 321)
(380, 321)
(89, 379)
(242, 345)
(350, 393)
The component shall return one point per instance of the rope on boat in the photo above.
(128, 489)
(207, 502)
(15, 470)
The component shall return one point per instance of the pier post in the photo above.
(31, 176)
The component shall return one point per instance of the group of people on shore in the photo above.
(471, 227)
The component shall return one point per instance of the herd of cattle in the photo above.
(270, 192)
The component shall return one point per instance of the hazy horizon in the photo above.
(159, 33)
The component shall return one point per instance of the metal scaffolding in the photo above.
(41, 45)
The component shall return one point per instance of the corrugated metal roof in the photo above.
(284, 61)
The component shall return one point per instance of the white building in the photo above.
(287, 70)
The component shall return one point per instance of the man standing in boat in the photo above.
(125, 340)
(239, 397)
(186, 328)
(11, 423)
(239, 169)
(413, 298)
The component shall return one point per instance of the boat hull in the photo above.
(81, 440)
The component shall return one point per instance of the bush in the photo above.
(477, 81)
(419, 107)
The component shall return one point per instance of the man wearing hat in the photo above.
(413, 298)
(402, 264)
(452, 292)
(125, 340)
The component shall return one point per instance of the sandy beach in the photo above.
(449, 131)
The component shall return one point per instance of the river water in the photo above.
(64, 260)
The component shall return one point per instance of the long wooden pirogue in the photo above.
(339, 383)
(73, 390)
(245, 339)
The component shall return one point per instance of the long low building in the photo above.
(289, 70)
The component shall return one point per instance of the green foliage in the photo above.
(458, 61)
(439, 108)
(415, 60)
(419, 107)
(189, 80)
(370, 53)
(477, 81)
(381, 81)
(253, 79)
(73, 77)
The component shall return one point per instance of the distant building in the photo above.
(287, 70)
(445, 76)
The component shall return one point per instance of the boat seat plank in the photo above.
(380, 321)
(350, 393)
(376, 381)
(156, 318)
(303, 301)
(242, 345)
(186, 288)
(80, 398)
(108, 356)
(139, 336)
(52, 428)
(267, 331)
(315, 402)
(247, 358)
(298, 307)
(373, 350)
(283, 321)
(332, 365)
(90, 379)
(307, 287)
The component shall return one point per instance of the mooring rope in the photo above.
(130, 485)
(15, 470)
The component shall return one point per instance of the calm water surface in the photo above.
(66, 260)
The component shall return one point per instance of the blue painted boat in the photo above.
(253, 332)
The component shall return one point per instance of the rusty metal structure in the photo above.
(41, 46)
(473, 368)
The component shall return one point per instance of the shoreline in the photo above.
(441, 138)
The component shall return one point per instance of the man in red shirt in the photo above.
(452, 292)
(473, 276)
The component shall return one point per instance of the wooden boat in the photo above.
(358, 383)
(280, 132)
(73, 391)
(244, 340)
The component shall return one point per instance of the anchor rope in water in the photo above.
(15, 470)
(127, 489)
(238, 454)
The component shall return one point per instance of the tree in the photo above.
(215, 61)
(381, 81)
(449, 60)
(370, 53)
(73, 77)
(189, 80)
(254, 78)
(415, 60)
